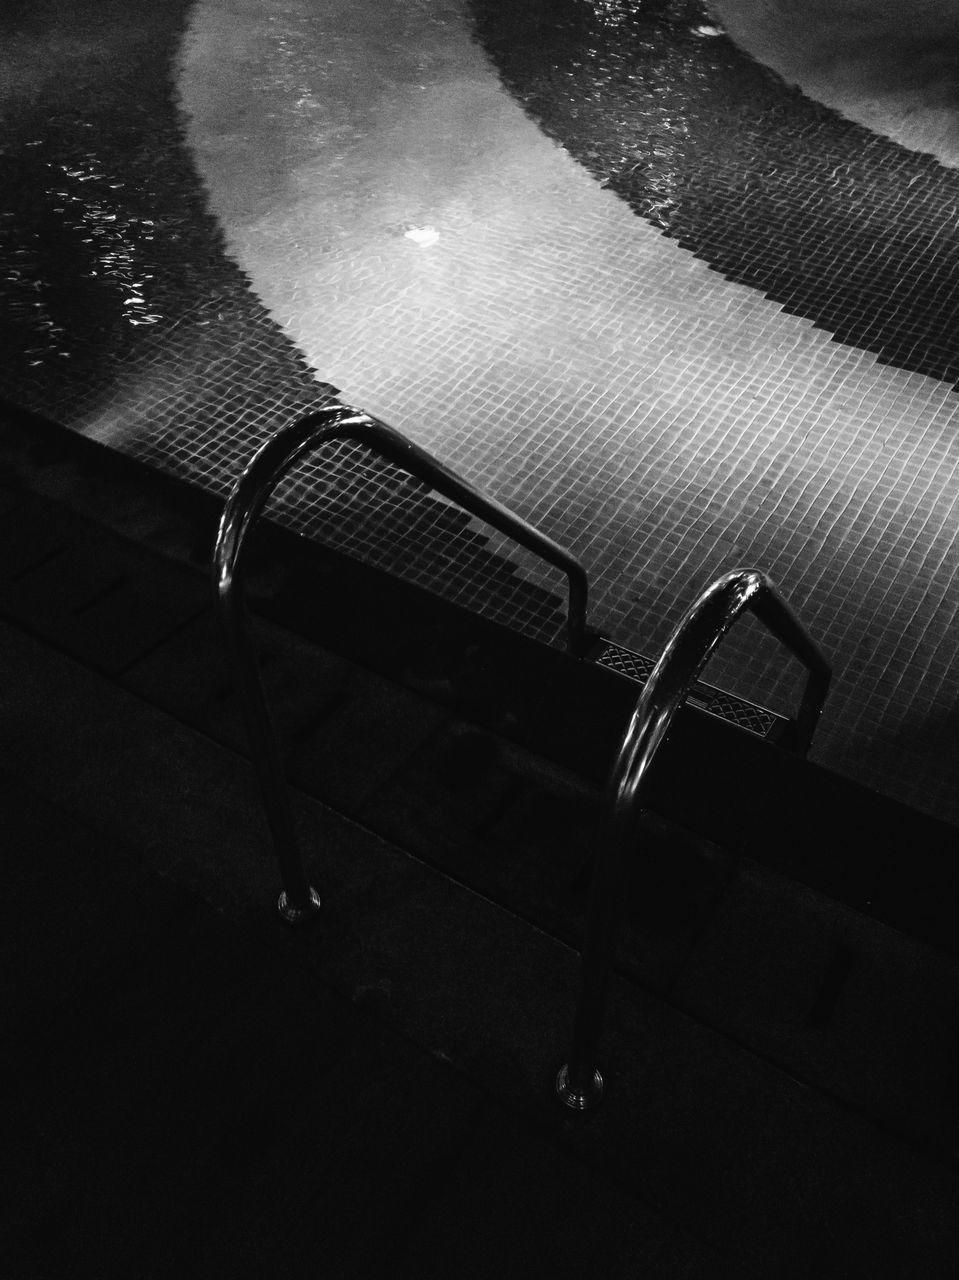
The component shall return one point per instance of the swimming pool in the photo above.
(678, 314)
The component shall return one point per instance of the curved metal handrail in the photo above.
(580, 1083)
(243, 508)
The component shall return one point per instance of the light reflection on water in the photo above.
(114, 238)
(82, 260)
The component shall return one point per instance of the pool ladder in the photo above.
(697, 636)
(668, 686)
(250, 494)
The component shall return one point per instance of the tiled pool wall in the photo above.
(676, 313)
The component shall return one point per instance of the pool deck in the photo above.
(200, 1090)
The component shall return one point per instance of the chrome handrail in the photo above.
(580, 1083)
(243, 508)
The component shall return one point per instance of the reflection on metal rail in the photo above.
(579, 1083)
(246, 502)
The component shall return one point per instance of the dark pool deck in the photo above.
(198, 1090)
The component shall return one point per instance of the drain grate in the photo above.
(705, 697)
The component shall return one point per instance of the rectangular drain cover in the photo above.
(704, 697)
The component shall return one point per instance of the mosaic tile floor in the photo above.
(595, 256)
(122, 315)
(896, 77)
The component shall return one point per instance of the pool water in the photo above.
(616, 270)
